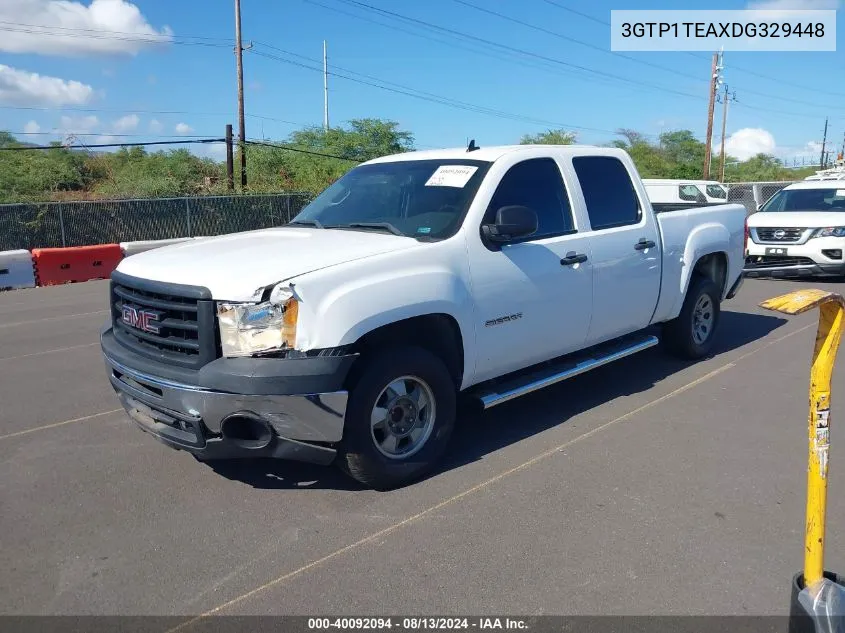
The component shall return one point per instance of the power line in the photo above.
(520, 51)
(144, 40)
(420, 94)
(101, 145)
(302, 151)
(573, 40)
(488, 52)
(571, 10)
(141, 111)
(65, 132)
(76, 29)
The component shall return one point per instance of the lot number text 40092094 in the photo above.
(416, 623)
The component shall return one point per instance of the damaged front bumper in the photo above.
(246, 407)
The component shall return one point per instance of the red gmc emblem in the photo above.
(141, 319)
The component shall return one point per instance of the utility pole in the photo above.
(239, 50)
(714, 78)
(325, 89)
(725, 99)
(824, 142)
(230, 163)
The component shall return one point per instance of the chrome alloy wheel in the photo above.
(403, 417)
(702, 319)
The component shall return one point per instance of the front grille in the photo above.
(776, 261)
(779, 234)
(170, 323)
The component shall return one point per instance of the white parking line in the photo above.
(461, 495)
(48, 351)
(56, 318)
(55, 424)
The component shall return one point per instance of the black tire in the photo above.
(358, 455)
(678, 334)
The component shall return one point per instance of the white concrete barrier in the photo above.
(133, 248)
(16, 270)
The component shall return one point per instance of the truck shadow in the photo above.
(479, 433)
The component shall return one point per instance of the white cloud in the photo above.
(125, 124)
(214, 151)
(32, 127)
(78, 125)
(156, 127)
(77, 28)
(105, 138)
(786, 5)
(748, 142)
(21, 87)
(183, 128)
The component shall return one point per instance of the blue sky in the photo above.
(110, 68)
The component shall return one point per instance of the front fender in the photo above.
(340, 310)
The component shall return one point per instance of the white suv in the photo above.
(799, 232)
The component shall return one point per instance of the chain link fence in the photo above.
(753, 194)
(59, 224)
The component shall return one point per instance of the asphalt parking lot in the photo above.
(650, 486)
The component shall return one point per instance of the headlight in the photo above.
(253, 328)
(830, 231)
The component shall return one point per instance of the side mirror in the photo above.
(512, 222)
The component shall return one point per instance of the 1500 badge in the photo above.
(504, 319)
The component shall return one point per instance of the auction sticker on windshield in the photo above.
(451, 176)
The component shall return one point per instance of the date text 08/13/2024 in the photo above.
(417, 623)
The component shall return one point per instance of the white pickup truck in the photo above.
(347, 335)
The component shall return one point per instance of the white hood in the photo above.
(233, 267)
(796, 219)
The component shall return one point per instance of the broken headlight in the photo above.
(247, 329)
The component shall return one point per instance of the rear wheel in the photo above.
(692, 334)
(399, 417)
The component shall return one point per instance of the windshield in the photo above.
(420, 198)
(832, 199)
(715, 191)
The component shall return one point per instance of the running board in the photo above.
(520, 384)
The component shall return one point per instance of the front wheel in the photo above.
(692, 334)
(399, 417)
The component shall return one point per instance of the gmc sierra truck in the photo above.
(349, 334)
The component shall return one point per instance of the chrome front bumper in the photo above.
(190, 417)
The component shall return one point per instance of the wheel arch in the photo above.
(439, 333)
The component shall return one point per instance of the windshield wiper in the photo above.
(384, 226)
(315, 223)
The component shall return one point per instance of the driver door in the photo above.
(530, 304)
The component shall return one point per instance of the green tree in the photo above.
(649, 159)
(684, 154)
(549, 137)
(280, 169)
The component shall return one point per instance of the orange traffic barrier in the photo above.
(55, 266)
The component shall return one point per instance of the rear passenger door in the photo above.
(533, 297)
(626, 248)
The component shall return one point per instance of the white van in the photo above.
(668, 194)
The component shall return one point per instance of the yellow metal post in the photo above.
(831, 309)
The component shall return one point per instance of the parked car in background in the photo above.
(348, 335)
(670, 194)
(799, 232)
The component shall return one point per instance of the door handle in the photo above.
(643, 244)
(573, 258)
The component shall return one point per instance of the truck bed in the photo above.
(684, 234)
